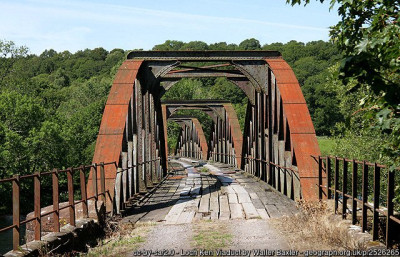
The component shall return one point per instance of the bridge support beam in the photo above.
(278, 139)
(225, 143)
(130, 136)
(191, 141)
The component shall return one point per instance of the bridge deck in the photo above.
(222, 193)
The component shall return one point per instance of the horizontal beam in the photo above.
(202, 55)
(204, 102)
(202, 74)
(181, 117)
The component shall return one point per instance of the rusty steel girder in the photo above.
(191, 141)
(279, 136)
(226, 138)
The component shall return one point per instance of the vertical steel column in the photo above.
(16, 211)
(130, 148)
(264, 134)
(271, 82)
(224, 138)
(82, 180)
(153, 140)
(56, 207)
(259, 133)
(141, 183)
(37, 207)
(148, 148)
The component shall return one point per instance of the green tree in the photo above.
(368, 35)
(9, 54)
(250, 44)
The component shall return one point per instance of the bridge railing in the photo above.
(284, 179)
(38, 215)
(371, 186)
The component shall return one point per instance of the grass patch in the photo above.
(326, 145)
(211, 236)
(204, 170)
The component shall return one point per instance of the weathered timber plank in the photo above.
(257, 203)
(250, 211)
(239, 189)
(263, 214)
(229, 190)
(272, 211)
(224, 207)
(236, 211)
(204, 204)
(176, 210)
(253, 196)
(214, 205)
(186, 217)
(233, 198)
(244, 198)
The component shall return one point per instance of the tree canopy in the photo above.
(368, 36)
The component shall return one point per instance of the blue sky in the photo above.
(131, 24)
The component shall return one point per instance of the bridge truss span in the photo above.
(278, 139)
(226, 139)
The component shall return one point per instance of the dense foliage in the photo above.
(51, 107)
(368, 36)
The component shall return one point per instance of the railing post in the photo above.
(71, 197)
(102, 183)
(336, 194)
(328, 177)
(364, 196)
(16, 211)
(390, 196)
(94, 179)
(354, 193)
(83, 192)
(319, 178)
(56, 207)
(377, 183)
(38, 218)
(344, 188)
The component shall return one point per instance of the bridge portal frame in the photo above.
(226, 138)
(279, 131)
(191, 140)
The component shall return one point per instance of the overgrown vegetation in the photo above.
(320, 230)
(122, 241)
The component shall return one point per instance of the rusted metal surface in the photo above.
(71, 197)
(286, 95)
(16, 210)
(195, 137)
(56, 202)
(202, 56)
(110, 138)
(83, 191)
(37, 215)
(38, 218)
(381, 207)
(278, 127)
(226, 137)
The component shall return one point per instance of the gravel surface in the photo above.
(249, 235)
